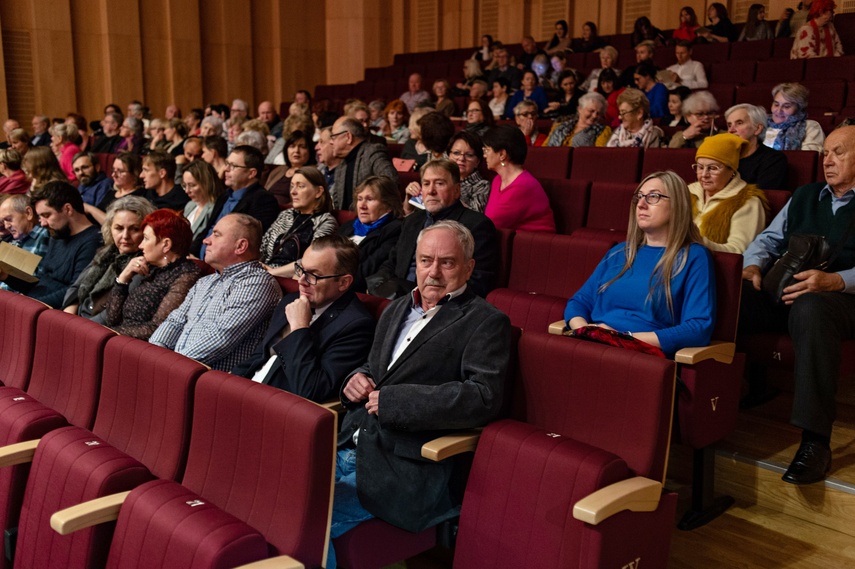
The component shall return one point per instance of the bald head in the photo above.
(838, 162)
(266, 112)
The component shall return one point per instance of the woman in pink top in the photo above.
(517, 200)
(61, 137)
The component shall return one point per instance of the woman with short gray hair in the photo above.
(586, 127)
(788, 127)
(700, 110)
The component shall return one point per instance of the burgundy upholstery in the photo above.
(781, 49)
(751, 50)
(777, 70)
(397, 544)
(777, 200)
(505, 237)
(375, 304)
(288, 284)
(679, 160)
(609, 207)
(106, 163)
(733, 71)
(825, 68)
(528, 311)
(801, 168)
(549, 162)
(606, 164)
(342, 216)
(204, 267)
(711, 52)
(724, 94)
(18, 315)
(755, 94)
(164, 525)
(395, 150)
(569, 202)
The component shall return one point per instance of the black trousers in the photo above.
(817, 323)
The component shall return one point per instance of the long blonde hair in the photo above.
(682, 232)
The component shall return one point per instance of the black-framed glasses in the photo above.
(311, 278)
(335, 134)
(652, 198)
(232, 166)
(457, 154)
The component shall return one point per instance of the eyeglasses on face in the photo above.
(528, 114)
(713, 169)
(311, 278)
(706, 114)
(456, 154)
(335, 134)
(232, 166)
(629, 112)
(652, 198)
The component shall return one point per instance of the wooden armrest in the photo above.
(88, 514)
(335, 406)
(637, 494)
(18, 453)
(450, 445)
(557, 328)
(281, 562)
(719, 351)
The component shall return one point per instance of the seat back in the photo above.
(751, 50)
(609, 207)
(569, 202)
(18, 315)
(342, 216)
(505, 239)
(266, 457)
(777, 200)
(827, 94)
(549, 162)
(801, 168)
(741, 72)
(606, 164)
(146, 404)
(678, 160)
(67, 365)
(375, 304)
(778, 70)
(728, 287)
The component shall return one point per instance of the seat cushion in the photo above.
(162, 524)
(375, 544)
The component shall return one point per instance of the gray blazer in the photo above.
(452, 376)
(371, 160)
(200, 224)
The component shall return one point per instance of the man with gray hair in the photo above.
(240, 109)
(759, 164)
(41, 136)
(359, 160)
(109, 139)
(8, 127)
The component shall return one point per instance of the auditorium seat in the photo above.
(505, 238)
(741, 72)
(364, 90)
(576, 438)
(609, 208)
(781, 48)
(754, 94)
(106, 163)
(780, 71)
(801, 167)
(549, 162)
(679, 160)
(826, 94)
(18, 315)
(724, 95)
(606, 164)
(777, 200)
(375, 304)
(374, 73)
(342, 216)
(759, 50)
(259, 471)
(826, 68)
(569, 202)
(711, 52)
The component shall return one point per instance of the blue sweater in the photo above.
(538, 97)
(658, 97)
(627, 306)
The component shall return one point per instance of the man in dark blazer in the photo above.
(319, 334)
(360, 159)
(244, 194)
(438, 363)
(440, 193)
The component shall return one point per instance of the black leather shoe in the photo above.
(811, 464)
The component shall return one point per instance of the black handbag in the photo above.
(804, 252)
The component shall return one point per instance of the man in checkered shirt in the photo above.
(225, 314)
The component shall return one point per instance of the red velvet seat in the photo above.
(751, 50)
(741, 72)
(141, 431)
(342, 216)
(679, 160)
(569, 202)
(106, 163)
(781, 48)
(724, 94)
(801, 168)
(827, 94)
(18, 315)
(577, 438)
(505, 237)
(608, 210)
(711, 52)
(63, 389)
(606, 164)
(375, 304)
(777, 200)
(826, 68)
(777, 70)
(757, 94)
(259, 470)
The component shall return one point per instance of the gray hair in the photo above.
(757, 115)
(216, 122)
(252, 138)
(522, 105)
(794, 93)
(354, 127)
(65, 131)
(460, 232)
(377, 105)
(18, 202)
(249, 228)
(134, 124)
(593, 99)
(697, 101)
(242, 104)
(141, 207)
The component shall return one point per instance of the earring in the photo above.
(502, 163)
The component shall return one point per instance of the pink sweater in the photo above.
(522, 206)
(66, 157)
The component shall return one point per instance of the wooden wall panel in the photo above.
(52, 60)
(4, 106)
(226, 48)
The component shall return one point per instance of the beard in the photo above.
(63, 233)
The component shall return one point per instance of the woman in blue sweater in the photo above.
(659, 286)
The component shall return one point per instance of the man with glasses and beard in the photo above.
(73, 243)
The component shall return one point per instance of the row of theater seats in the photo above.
(220, 471)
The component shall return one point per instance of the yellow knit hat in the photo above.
(725, 148)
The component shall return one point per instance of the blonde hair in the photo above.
(682, 232)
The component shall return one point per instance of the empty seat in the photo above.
(733, 71)
(609, 208)
(724, 94)
(549, 162)
(756, 94)
(825, 68)
(606, 164)
(826, 94)
(711, 52)
(801, 168)
(777, 70)
(569, 202)
(18, 315)
(781, 48)
(679, 160)
(751, 50)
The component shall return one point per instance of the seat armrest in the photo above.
(637, 494)
(450, 445)
(18, 453)
(280, 562)
(88, 514)
(335, 406)
(719, 351)
(557, 328)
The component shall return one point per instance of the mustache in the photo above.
(433, 282)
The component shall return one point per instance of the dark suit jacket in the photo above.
(450, 377)
(371, 160)
(390, 280)
(257, 202)
(42, 139)
(314, 361)
(373, 249)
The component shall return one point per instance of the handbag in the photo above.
(804, 252)
(613, 338)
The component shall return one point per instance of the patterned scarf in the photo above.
(626, 139)
(792, 132)
(562, 134)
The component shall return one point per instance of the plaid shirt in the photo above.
(223, 317)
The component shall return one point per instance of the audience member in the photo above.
(83, 140)
(499, 102)
(61, 143)
(479, 90)
(686, 31)
(700, 110)
(109, 139)
(396, 116)
(479, 117)
(240, 109)
(72, 245)
(636, 128)
(126, 182)
(157, 138)
(800, 17)
(327, 160)
(193, 122)
(158, 176)
(728, 211)
(608, 59)
(203, 187)
(610, 87)
(643, 30)
(529, 52)
(434, 131)
(191, 152)
(525, 115)
(359, 160)
(444, 103)
(586, 128)
(756, 28)
(20, 141)
(676, 96)
(172, 112)
(688, 72)
(788, 127)
(267, 113)
(643, 52)
(375, 113)
(41, 136)
(466, 150)
(8, 127)
(817, 310)
(41, 166)
(415, 94)
(484, 52)
(758, 164)
(569, 95)
(663, 256)
(783, 29)
(722, 29)
(299, 151)
(94, 184)
(517, 200)
(589, 41)
(131, 134)
(818, 37)
(309, 217)
(211, 126)
(505, 70)
(214, 152)
(19, 219)
(423, 396)
(561, 40)
(471, 73)
(175, 133)
(122, 233)
(530, 91)
(656, 92)
(13, 179)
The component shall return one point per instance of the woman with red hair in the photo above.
(396, 116)
(818, 38)
(154, 284)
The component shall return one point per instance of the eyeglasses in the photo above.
(652, 198)
(457, 154)
(311, 278)
(713, 169)
(119, 172)
(232, 166)
(335, 134)
(528, 114)
(706, 114)
(629, 112)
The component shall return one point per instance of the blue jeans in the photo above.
(347, 511)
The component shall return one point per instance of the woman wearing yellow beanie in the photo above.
(728, 211)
